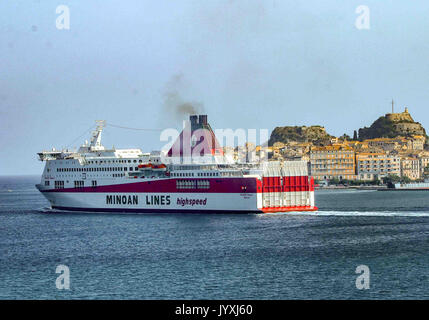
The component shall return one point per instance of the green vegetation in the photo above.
(426, 172)
(391, 179)
(315, 134)
(345, 182)
(381, 128)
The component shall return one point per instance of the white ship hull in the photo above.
(178, 202)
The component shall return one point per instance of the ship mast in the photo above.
(95, 143)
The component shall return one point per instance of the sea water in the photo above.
(216, 256)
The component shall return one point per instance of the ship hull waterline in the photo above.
(140, 202)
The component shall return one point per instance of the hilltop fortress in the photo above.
(392, 125)
(400, 117)
(404, 123)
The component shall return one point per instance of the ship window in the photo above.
(47, 183)
(94, 183)
(185, 184)
(203, 184)
(59, 184)
(78, 184)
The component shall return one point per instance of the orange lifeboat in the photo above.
(159, 167)
(146, 166)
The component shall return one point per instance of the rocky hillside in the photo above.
(392, 125)
(315, 134)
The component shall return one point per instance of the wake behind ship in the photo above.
(96, 179)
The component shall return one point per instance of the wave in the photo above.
(357, 213)
(307, 213)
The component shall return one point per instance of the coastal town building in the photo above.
(417, 142)
(334, 161)
(424, 163)
(410, 167)
(388, 144)
(372, 166)
(413, 143)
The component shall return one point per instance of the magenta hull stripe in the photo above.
(222, 185)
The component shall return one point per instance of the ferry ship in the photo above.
(97, 179)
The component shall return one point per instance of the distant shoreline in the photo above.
(352, 188)
(22, 176)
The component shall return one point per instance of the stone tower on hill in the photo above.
(400, 117)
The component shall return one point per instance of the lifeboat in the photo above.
(159, 167)
(146, 166)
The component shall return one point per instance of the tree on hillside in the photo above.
(426, 172)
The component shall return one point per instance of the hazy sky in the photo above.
(250, 64)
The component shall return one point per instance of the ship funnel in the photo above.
(203, 119)
(193, 119)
